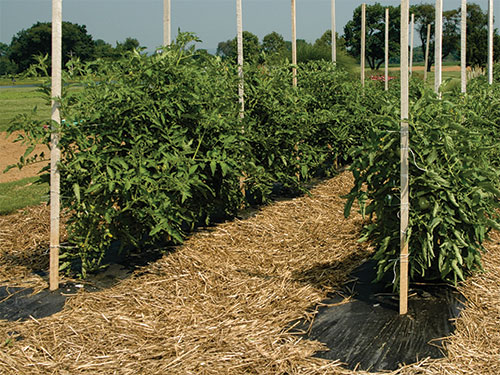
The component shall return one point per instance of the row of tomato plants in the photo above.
(454, 182)
(154, 146)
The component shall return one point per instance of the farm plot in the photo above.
(222, 304)
(157, 149)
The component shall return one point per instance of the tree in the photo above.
(103, 49)
(128, 45)
(36, 40)
(326, 41)
(251, 47)
(425, 14)
(4, 49)
(274, 44)
(6, 65)
(375, 33)
(477, 37)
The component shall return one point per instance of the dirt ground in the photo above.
(10, 152)
(447, 68)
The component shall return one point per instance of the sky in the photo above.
(212, 20)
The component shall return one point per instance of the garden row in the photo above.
(154, 146)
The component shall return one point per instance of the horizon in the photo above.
(213, 21)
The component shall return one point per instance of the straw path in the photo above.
(223, 303)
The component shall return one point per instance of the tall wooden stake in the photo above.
(427, 45)
(55, 153)
(412, 37)
(334, 34)
(386, 80)
(167, 36)
(438, 37)
(363, 42)
(405, 205)
(490, 41)
(294, 43)
(463, 47)
(241, 88)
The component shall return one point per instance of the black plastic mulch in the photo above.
(368, 333)
(17, 304)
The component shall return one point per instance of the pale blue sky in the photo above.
(212, 20)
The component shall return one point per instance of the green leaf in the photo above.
(76, 190)
(348, 206)
(213, 167)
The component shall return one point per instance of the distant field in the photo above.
(5, 81)
(20, 100)
(450, 74)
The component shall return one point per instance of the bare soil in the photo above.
(10, 152)
(447, 68)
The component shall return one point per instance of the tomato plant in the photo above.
(453, 190)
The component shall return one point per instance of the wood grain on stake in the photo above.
(412, 30)
(438, 54)
(427, 45)
(490, 42)
(363, 42)
(167, 37)
(463, 46)
(294, 43)
(405, 205)
(334, 34)
(386, 49)
(241, 89)
(241, 83)
(55, 153)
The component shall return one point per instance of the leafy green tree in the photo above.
(375, 33)
(477, 37)
(128, 45)
(326, 41)
(107, 51)
(4, 49)
(36, 40)
(103, 49)
(251, 47)
(425, 14)
(6, 65)
(274, 44)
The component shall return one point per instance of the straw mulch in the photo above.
(223, 303)
(24, 244)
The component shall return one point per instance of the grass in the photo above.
(7, 81)
(14, 101)
(19, 194)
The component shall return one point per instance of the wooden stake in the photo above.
(55, 153)
(363, 42)
(490, 41)
(463, 47)
(334, 35)
(405, 205)
(167, 38)
(241, 88)
(294, 43)
(412, 30)
(241, 84)
(438, 54)
(427, 44)
(386, 49)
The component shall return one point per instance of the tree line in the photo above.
(350, 42)
(28, 44)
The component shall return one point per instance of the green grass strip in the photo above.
(23, 193)
(14, 101)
